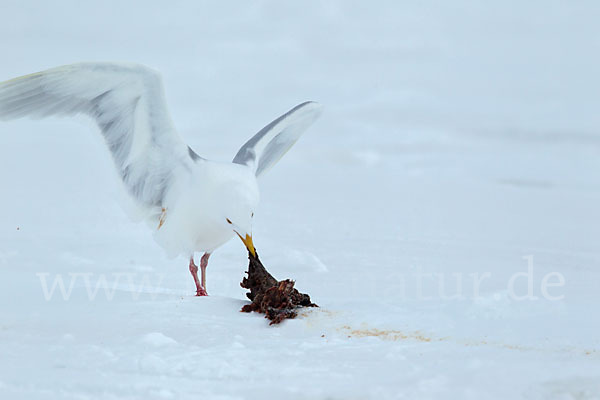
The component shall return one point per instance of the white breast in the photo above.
(195, 221)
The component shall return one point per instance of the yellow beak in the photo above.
(248, 243)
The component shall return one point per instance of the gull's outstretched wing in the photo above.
(127, 102)
(265, 148)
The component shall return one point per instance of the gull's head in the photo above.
(245, 234)
(237, 201)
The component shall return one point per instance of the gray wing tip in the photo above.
(308, 104)
(308, 107)
(193, 155)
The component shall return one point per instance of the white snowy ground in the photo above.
(457, 139)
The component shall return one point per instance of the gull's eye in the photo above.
(228, 220)
(252, 216)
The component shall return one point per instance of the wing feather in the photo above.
(267, 147)
(127, 101)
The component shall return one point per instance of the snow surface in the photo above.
(460, 142)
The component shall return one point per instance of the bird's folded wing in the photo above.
(127, 102)
(265, 148)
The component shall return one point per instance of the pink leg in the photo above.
(203, 265)
(200, 291)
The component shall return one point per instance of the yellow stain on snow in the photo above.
(397, 335)
(316, 318)
(389, 334)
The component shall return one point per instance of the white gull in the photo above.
(193, 204)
